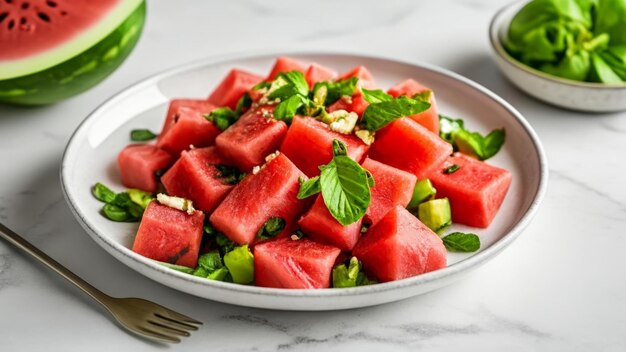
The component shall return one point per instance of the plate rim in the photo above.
(466, 264)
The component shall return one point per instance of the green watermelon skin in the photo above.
(293, 264)
(169, 235)
(78, 73)
(475, 191)
(399, 246)
(319, 225)
(138, 164)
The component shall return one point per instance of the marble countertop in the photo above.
(559, 287)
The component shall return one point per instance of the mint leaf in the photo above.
(229, 174)
(350, 276)
(102, 193)
(289, 107)
(462, 242)
(471, 143)
(222, 117)
(272, 227)
(378, 115)
(296, 78)
(451, 169)
(262, 85)
(339, 148)
(240, 264)
(244, 103)
(309, 187)
(288, 84)
(224, 244)
(142, 135)
(116, 213)
(182, 269)
(423, 96)
(326, 92)
(375, 96)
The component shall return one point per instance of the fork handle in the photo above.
(19, 242)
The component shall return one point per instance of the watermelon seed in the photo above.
(3, 16)
(25, 5)
(63, 13)
(11, 24)
(51, 3)
(23, 20)
(8, 1)
(43, 16)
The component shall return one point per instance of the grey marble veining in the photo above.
(559, 287)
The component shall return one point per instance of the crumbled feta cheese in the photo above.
(181, 204)
(342, 121)
(192, 147)
(256, 169)
(347, 99)
(272, 156)
(366, 136)
(295, 237)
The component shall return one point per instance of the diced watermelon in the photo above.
(287, 263)
(322, 227)
(195, 177)
(475, 191)
(204, 106)
(308, 144)
(409, 146)
(186, 127)
(366, 79)
(169, 235)
(355, 103)
(391, 187)
(249, 140)
(399, 246)
(232, 88)
(428, 118)
(138, 164)
(272, 192)
(317, 73)
(286, 64)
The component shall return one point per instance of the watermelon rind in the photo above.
(74, 69)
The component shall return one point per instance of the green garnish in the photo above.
(462, 242)
(422, 192)
(350, 276)
(288, 108)
(326, 93)
(115, 213)
(375, 96)
(272, 227)
(383, 108)
(471, 143)
(435, 214)
(210, 266)
(244, 103)
(309, 187)
(182, 269)
(288, 84)
(224, 244)
(123, 206)
(142, 135)
(240, 264)
(222, 117)
(229, 174)
(451, 169)
(102, 193)
(142, 198)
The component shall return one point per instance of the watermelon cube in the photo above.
(169, 235)
(138, 164)
(428, 118)
(201, 105)
(399, 246)
(249, 140)
(272, 192)
(321, 226)
(186, 125)
(409, 146)
(355, 103)
(317, 73)
(366, 80)
(392, 187)
(287, 263)
(232, 87)
(195, 177)
(286, 64)
(308, 144)
(475, 191)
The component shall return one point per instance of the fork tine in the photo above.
(175, 316)
(169, 328)
(153, 334)
(175, 323)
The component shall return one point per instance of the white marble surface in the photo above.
(559, 287)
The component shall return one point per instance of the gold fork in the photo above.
(139, 316)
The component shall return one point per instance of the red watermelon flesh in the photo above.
(188, 127)
(249, 140)
(272, 192)
(195, 104)
(428, 118)
(409, 146)
(232, 87)
(286, 64)
(287, 263)
(366, 80)
(475, 191)
(392, 187)
(308, 144)
(356, 104)
(317, 73)
(321, 226)
(169, 235)
(399, 246)
(195, 177)
(138, 164)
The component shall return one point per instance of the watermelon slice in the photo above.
(317, 73)
(366, 79)
(475, 191)
(392, 187)
(399, 246)
(232, 88)
(322, 227)
(428, 118)
(285, 64)
(285, 263)
(195, 177)
(51, 50)
(409, 146)
(254, 136)
(309, 144)
(169, 235)
(257, 198)
(139, 163)
(186, 126)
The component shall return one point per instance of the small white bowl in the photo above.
(575, 95)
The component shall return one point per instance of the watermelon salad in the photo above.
(307, 179)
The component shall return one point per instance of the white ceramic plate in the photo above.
(91, 157)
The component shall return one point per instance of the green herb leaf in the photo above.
(288, 84)
(296, 78)
(244, 103)
(350, 276)
(141, 135)
(182, 269)
(471, 143)
(289, 107)
(462, 242)
(375, 96)
(220, 274)
(224, 244)
(378, 115)
(451, 169)
(240, 264)
(309, 187)
(339, 148)
(116, 213)
(602, 72)
(424, 96)
(262, 85)
(230, 175)
(222, 118)
(210, 261)
(272, 227)
(326, 92)
(102, 193)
